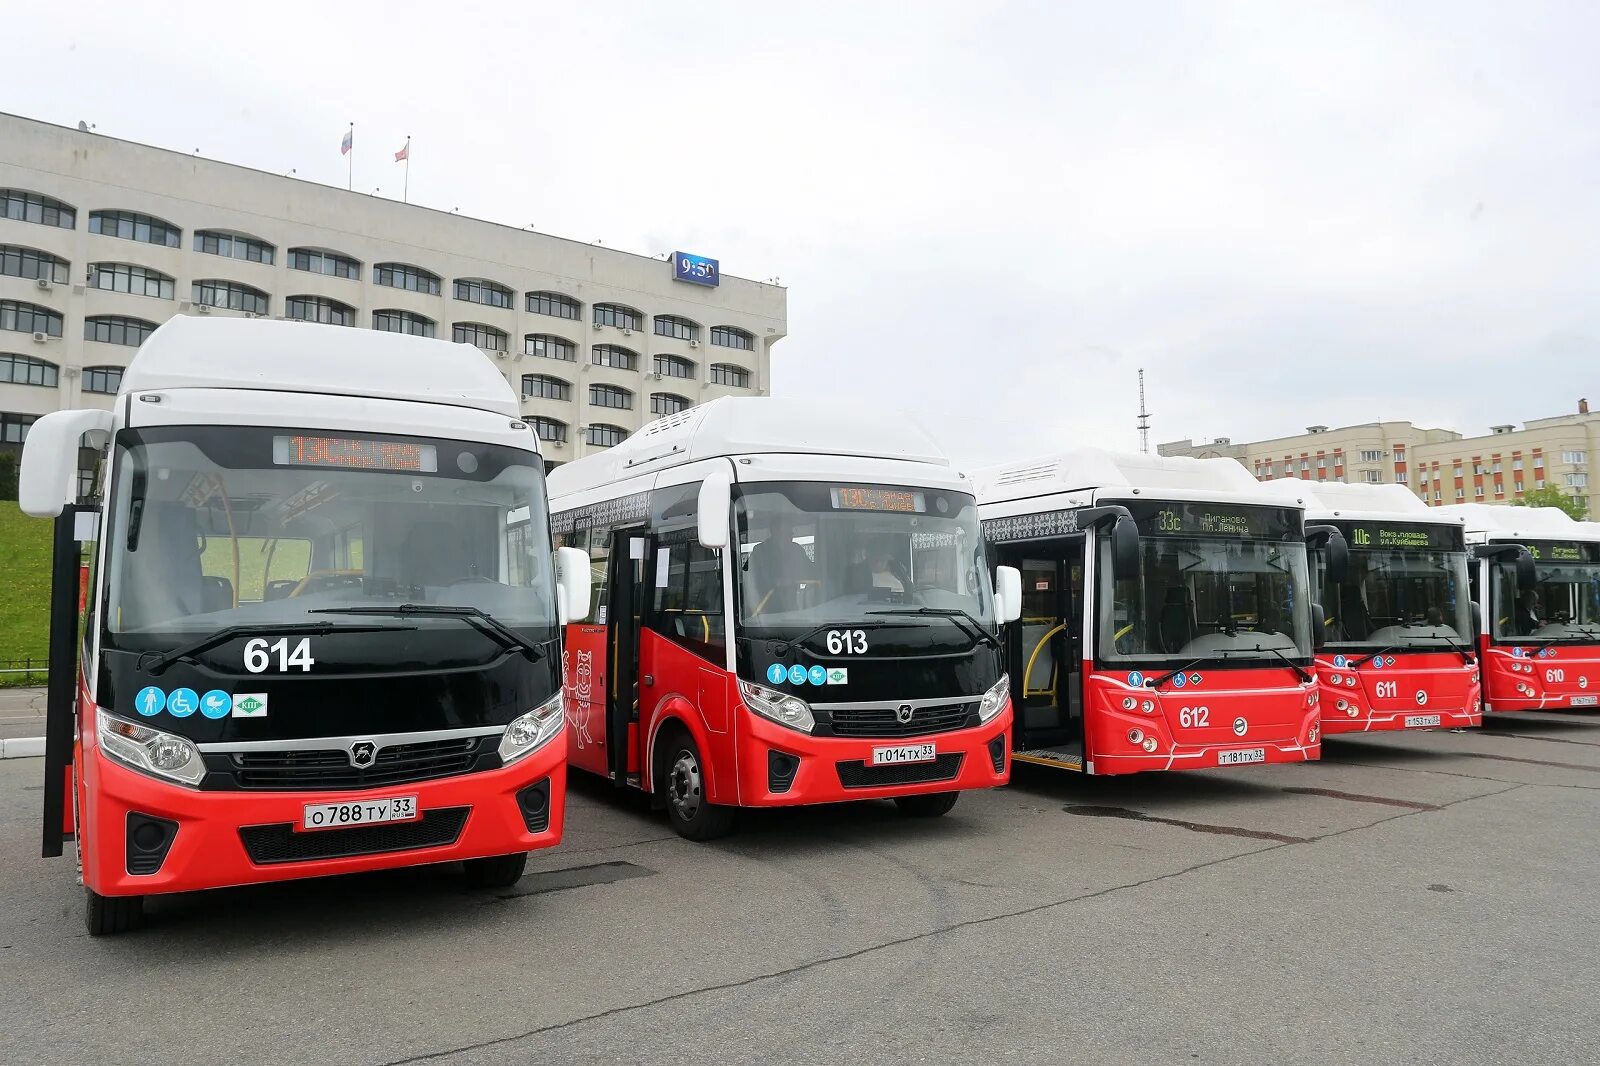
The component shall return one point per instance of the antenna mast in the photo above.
(1144, 419)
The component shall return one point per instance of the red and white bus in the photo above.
(1167, 620)
(1398, 648)
(790, 606)
(1536, 582)
(322, 632)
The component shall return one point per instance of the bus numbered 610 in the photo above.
(1167, 621)
(790, 606)
(322, 632)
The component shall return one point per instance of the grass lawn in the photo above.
(25, 575)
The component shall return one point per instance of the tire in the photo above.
(927, 805)
(682, 785)
(108, 915)
(497, 871)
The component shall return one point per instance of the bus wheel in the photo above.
(106, 915)
(497, 871)
(683, 786)
(927, 805)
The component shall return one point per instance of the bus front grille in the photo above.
(268, 844)
(309, 769)
(884, 721)
(857, 774)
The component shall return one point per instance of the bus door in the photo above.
(626, 586)
(1047, 653)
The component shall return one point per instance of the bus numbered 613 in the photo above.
(322, 631)
(1167, 621)
(790, 606)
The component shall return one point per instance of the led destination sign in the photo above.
(861, 498)
(1563, 551)
(1170, 519)
(1422, 536)
(354, 453)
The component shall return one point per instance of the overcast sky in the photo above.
(992, 216)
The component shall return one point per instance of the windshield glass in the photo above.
(812, 553)
(1397, 596)
(1232, 598)
(1563, 606)
(232, 526)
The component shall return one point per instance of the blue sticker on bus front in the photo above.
(1194, 679)
(1518, 653)
(182, 702)
(776, 673)
(150, 701)
(1377, 662)
(1340, 661)
(797, 674)
(1178, 680)
(1135, 678)
(216, 704)
(819, 675)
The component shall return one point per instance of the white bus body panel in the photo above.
(1324, 500)
(1104, 477)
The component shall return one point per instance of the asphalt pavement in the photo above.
(1419, 898)
(21, 712)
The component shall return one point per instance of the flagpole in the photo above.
(350, 161)
(405, 193)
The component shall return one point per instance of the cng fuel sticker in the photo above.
(249, 704)
(839, 675)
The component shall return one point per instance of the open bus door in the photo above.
(1045, 653)
(73, 525)
(626, 588)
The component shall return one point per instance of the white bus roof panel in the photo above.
(232, 353)
(1359, 502)
(1114, 475)
(1504, 522)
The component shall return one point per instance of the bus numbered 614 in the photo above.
(322, 631)
(790, 606)
(1167, 621)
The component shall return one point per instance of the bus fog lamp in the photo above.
(1148, 706)
(1129, 703)
(150, 751)
(1149, 744)
(1135, 736)
(1316, 731)
(779, 707)
(529, 732)
(992, 701)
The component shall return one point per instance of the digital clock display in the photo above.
(695, 269)
(355, 453)
(863, 498)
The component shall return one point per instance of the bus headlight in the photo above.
(529, 732)
(994, 699)
(780, 707)
(150, 751)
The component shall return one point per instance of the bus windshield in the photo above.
(1562, 607)
(1398, 597)
(214, 526)
(1235, 598)
(811, 553)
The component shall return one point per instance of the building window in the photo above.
(1516, 464)
(486, 337)
(31, 264)
(1400, 477)
(554, 304)
(405, 276)
(1478, 491)
(1371, 455)
(1576, 481)
(133, 227)
(674, 326)
(29, 318)
(670, 366)
(1399, 453)
(545, 387)
(611, 355)
(547, 347)
(1371, 477)
(732, 337)
(726, 374)
(105, 380)
(26, 370)
(319, 309)
(14, 428)
(1573, 458)
(317, 261)
(1461, 493)
(213, 292)
(117, 329)
(602, 435)
(1517, 485)
(610, 396)
(134, 280)
(1538, 482)
(478, 291)
(1477, 468)
(667, 403)
(551, 430)
(31, 207)
(1456, 472)
(1436, 497)
(233, 246)
(1496, 467)
(616, 315)
(1322, 464)
(1305, 465)
(394, 320)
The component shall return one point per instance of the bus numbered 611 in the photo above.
(790, 606)
(322, 631)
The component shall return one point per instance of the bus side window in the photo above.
(688, 596)
(599, 549)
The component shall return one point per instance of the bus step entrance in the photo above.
(1064, 757)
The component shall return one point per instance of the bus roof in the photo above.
(1359, 502)
(741, 425)
(189, 352)
(1504, 522)
(1116, 475)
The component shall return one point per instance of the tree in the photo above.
(1551, 496)
(8, 475)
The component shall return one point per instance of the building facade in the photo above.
(102, 240)
(1440, 465)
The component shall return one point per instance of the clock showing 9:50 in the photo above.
(695, 269)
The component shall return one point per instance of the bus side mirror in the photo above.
(716, 499)
(49, 478)
(1007, 594)
(1319, 627)
(1336, 550)
(1125, 549)
(1527, 576)
(572, 584)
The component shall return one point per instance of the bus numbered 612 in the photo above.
(1536, 581)
(1167, 621)
(790, 606)
(322, 631)
(1398, 647)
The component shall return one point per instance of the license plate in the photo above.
(1421, 721)
(1241, 755)
(901, 753)
(358, 812)
(1585, 701)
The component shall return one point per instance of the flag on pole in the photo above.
(348, 142)
(403, 154)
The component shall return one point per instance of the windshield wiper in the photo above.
(163, 660)
(1299, 671)
(1157, 682)
(1460, 649)
(476, 617)
(1365, 659)
(955, 614)
(781, 647)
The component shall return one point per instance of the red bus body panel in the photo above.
(1559, 676)
(1418, 684)
(1278, 714)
